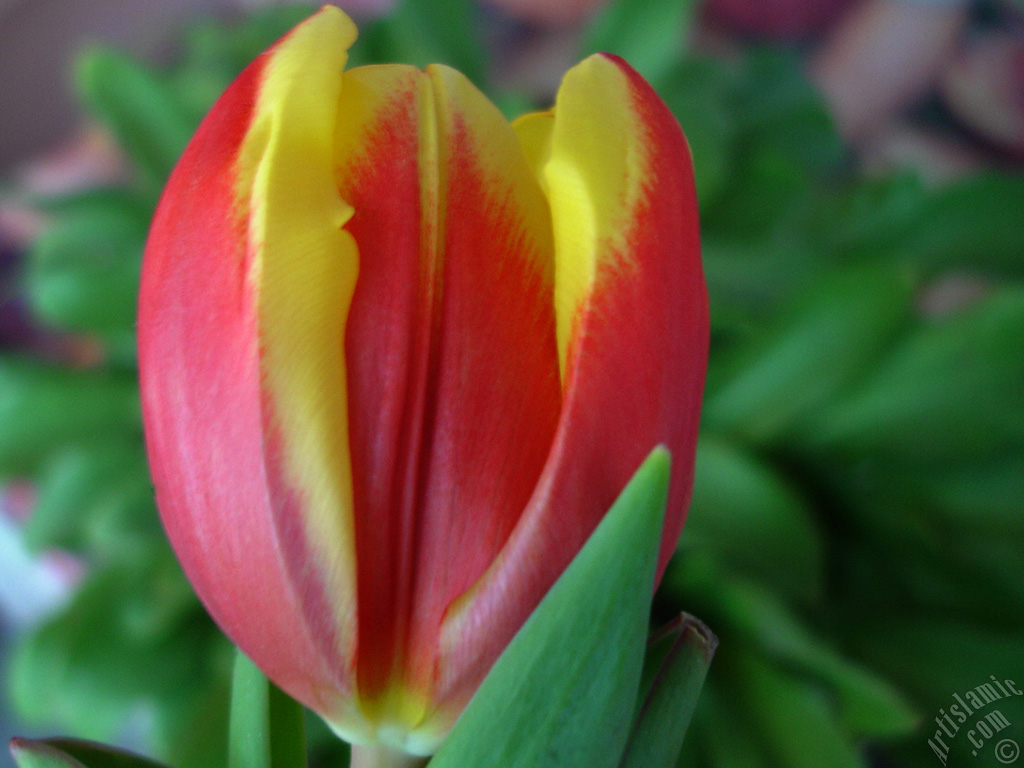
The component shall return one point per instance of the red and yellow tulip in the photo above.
(399, 357)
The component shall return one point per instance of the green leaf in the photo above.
(950, 392)
(865, 703)
(99, 201)
(73, 753)
(562, 693)
(779, 110)
(823, 341)
(684, 650)
(649, 34)
(722, 735)
(988, 495)
(423, 32)
(784, 158)
(767, 197)
(79, 486)
(138, 107)
(44, 408)
(793, 717)
(267, 727)
(938, 655)
(324, 746)
(131, 632)
(872, 217)
(967, 225)
(697, 91)
(761, 271)
(214, 53)
(753, 520)
(192, 730)
(212, 45)
(83, 270)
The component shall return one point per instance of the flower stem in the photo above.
(379, 756)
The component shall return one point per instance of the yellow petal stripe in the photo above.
(590, 158)
(297, 247)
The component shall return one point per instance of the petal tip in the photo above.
(331, 20)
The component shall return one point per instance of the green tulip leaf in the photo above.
(783, 114)
(563, 692)
(936, 655)
(682, 654)
(988, 496)
(267, 727)
(103, 202)
(73, 753)
(192, 730)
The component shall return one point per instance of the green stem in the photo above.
(379, 756)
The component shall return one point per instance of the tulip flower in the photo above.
(399, 357)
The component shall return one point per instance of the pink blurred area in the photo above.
(877, 63)
(983, 85)
(558, 13)
(779, 19)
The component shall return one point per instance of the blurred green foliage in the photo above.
(856, 534)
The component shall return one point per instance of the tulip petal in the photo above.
(454, 390)
(243, 386)
(632, 323)
(303, 269)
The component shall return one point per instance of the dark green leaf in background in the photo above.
(974, 224)
(821, 342)
(792, 717)
(83, 664)
(698, 90)
(93, 497)
(952, 391)
(753, 520)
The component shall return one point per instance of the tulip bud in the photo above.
(399, 357)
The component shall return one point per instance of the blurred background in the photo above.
(857, 531)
